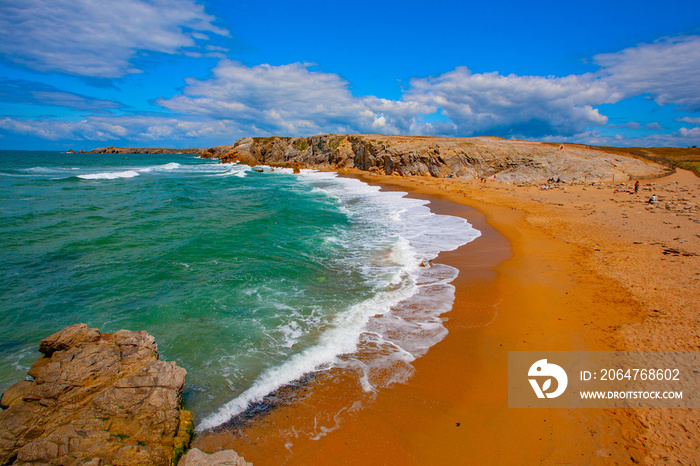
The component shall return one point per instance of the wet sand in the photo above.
(574, 269)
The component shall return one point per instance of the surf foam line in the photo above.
(129, 173)
(109, 175)
(342, 338)
(60, 173)
(401, 321)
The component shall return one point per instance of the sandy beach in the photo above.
(567, 268)
(320, 234)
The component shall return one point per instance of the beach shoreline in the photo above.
(564, 288)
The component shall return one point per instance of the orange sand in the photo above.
(587, 272)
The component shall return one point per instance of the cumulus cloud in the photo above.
(290, 99)
(525, 106)
(690, 133)
(238, 100)
(34, 93)
(667, 70)
(99, 38)
(681, 138)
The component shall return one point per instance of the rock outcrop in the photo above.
(137, 150)
(196, 457)
(96, 399)
(478, 157)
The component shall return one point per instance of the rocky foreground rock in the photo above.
(477, 157)
(96, 399)
(196, 457)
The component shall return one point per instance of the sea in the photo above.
(250, 279)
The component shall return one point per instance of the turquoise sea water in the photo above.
(248, 280)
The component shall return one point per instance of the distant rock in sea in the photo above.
(96, 399)
(476, 157)
(140, 150)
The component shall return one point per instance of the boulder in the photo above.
(196, 457)
(96, 399)
(14, 394)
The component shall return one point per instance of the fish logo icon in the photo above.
(541, 369)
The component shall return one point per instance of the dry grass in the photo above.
(687, 158)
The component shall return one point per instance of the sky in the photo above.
(81, 74)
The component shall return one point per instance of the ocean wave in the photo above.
(239, 171)
(164, 167)
(392, 244)
(342, 338)
(109, 175)
(132, 172)
(115, 172)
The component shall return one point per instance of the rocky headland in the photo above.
(476, 157)
(137, 150)
(96, 399)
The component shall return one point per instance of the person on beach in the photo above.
(653, 199)
(636, 187)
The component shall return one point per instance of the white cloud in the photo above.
(238, 100)
(692, 133)
(681, 138)
(667, 69)
(527, 106)
(691, 120)
(290, 99)
(98, 38)
(140, 128)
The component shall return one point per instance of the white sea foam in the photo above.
(159, 168)
(58, 172)
(109, 175)
(211, 169)
(239, 171)
(128, 172)
(47, 172)
(382, 335)
(292, 331)
(342, 337)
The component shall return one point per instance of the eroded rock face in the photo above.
(96, 399)
(476, 157)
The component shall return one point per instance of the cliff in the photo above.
(137, 150)
(96, 399)
(478, 157)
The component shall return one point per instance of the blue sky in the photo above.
(186, 73)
